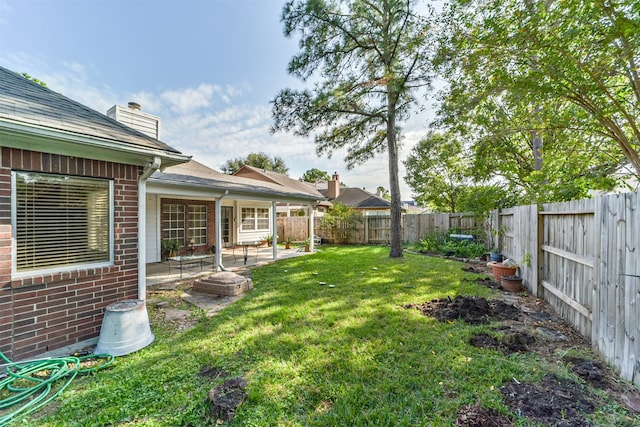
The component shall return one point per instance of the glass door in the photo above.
(226, 214)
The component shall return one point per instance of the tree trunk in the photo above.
(394, 184)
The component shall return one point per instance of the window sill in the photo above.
(46, 278)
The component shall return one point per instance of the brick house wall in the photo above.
(44, 312)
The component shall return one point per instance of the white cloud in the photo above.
(205, 122)
(184, 101)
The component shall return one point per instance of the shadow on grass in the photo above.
(314, 354)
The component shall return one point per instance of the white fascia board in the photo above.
(205, 192)
(183, 191)
(36, 138)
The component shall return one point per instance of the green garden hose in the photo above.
(28, 386)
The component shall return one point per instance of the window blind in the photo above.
(61, 221)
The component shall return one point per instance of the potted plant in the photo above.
(170, 247)
(500, 269)
(287, 243)
(494, 255)
(307, 245)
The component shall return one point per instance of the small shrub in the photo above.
(463, 249)
(432, 242)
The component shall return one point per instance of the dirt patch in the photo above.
(479, 416)
(212, 373)
(529, 324)
(555, 401)
(511, 341)
(473, 310)
(225, 398)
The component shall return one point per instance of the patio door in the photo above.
(226, 222)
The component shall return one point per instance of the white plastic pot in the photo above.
(125, 328)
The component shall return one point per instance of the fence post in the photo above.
(538, 270)
(366, 229)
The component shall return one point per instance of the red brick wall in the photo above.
(44, 312)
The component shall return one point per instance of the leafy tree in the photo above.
(499, 130)
(342, 221)
(383, 192)
(437, 172)
(314, 175)
(368, 59)
(258, 160)
(33, 79)
(579, 56)
(481, 199)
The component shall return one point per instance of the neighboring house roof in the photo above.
(198, 176)
(276, 178)
(358, 198)
(40, 119)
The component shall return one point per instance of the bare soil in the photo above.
(528, 324)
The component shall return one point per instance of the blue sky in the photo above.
(208, 68)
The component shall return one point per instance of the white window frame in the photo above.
(67, 267)
(200, 238)
(178, 226)
(254, 222)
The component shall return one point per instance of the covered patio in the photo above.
(164, 272)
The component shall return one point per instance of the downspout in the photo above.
(219, 230)
(142, 225)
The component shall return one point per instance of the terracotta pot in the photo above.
(500, 270)
(511, 283)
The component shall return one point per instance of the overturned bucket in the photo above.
(125, 328)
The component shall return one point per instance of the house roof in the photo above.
(276, 178)
(196, 175)
(358, 198)
(28, 109)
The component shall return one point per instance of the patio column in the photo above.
(218, 231)
(312, 243)
(274, 225)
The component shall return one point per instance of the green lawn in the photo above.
(314, 355)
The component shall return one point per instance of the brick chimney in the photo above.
(333, 186)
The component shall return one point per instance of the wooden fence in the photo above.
(376, 229)
(583, 257)
(296, 228)
(415, 227)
